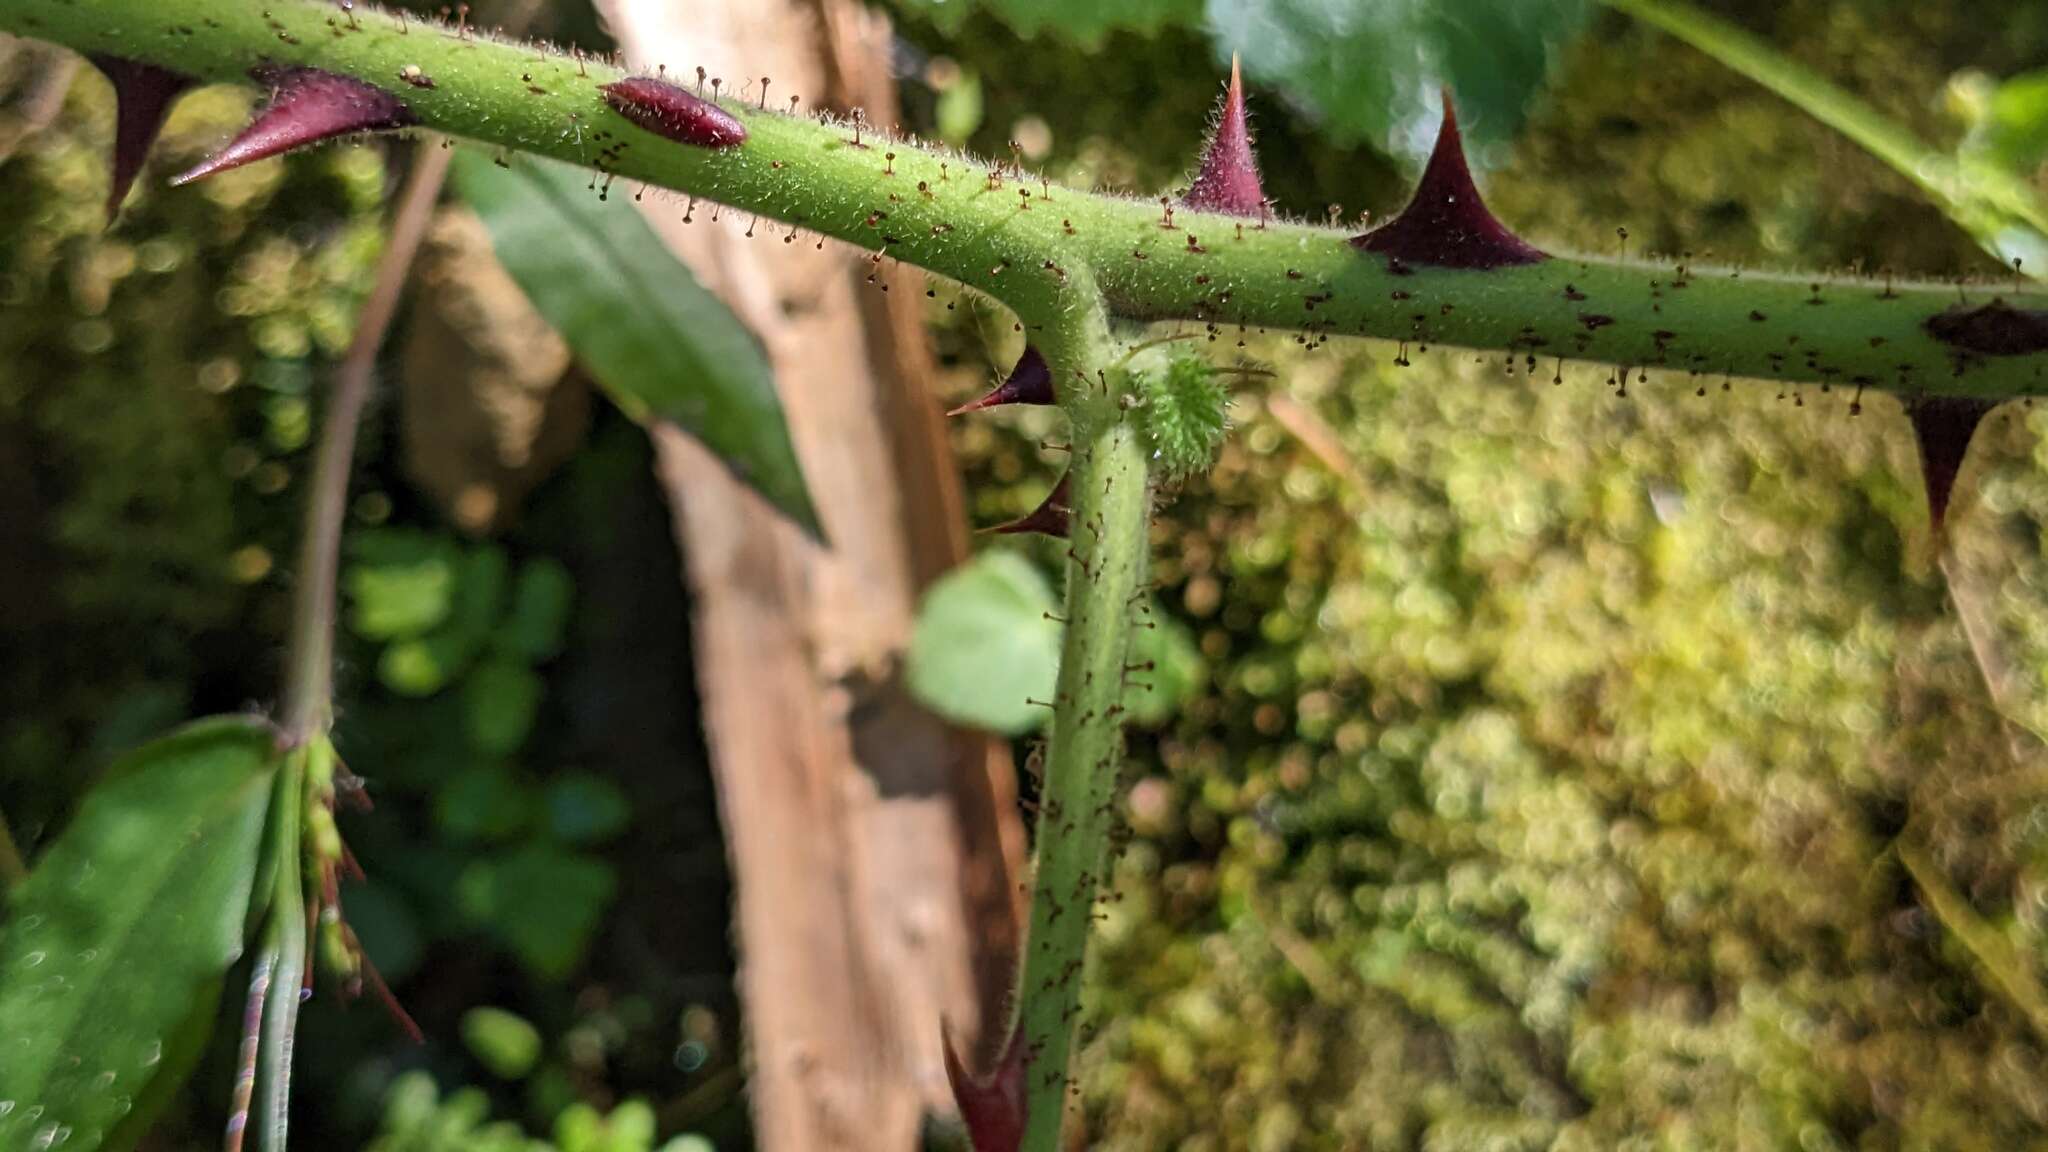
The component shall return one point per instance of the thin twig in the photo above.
(309, 685)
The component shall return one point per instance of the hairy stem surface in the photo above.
(1019, 239)
(1110, 505)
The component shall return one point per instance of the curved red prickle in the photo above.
(1447, 224)
(992, 1107)
(143, 94)
(1030, 382)
(677, 113)
(1942, 428)
(1228, 181)
(306, 106)
(1052, 517)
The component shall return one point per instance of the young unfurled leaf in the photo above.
(662, 346)
(124, 930)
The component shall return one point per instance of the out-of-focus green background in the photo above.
(1544, 778)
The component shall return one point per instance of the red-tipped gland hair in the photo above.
(1228, 180)
(674, 112)
(1030, 382)
(992, 1107)
(143, 94)
(1446, 224)
(306, 106)
(1053, 516)
(1942, 428)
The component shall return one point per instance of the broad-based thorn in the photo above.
(1942, 427)
(1228, 180)
(1030, 382)
(143, 94)
(306, 106)
(1446, 224)
(991, 1106)
(1052, 517)
(675, 112)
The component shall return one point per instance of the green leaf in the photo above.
(400, 583)
(501, 1041)
(125, 928)
(483, 803)
(540, 610)
(480, 591)
(984, 645)
(543, 902)
(1371, 72)
(1082, 21)
(499, 701)
(2013, 133)
(1996, 207)
(585, 808)
(424, 665)
(662, 346)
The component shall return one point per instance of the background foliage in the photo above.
(1539, 780)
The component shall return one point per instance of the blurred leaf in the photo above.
(125, 927)
(540, 609)
(1996, 207)
(1083, 21)
(585, 808)
(984, 643)
(424, 665)
(483, 803)
(500, 700)
(662, 346)
(959, 109)
(1372, 72)
(543, 902)
(1177, 668)
(2014, 131)
(387, 928)
(400, 584)
(501, 1041)
(480, 591)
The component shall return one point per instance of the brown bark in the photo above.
(874, 851)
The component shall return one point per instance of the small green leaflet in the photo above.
(121, 934)
(662, 346)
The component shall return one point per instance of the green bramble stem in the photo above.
(1017, 238)
(1109, 498)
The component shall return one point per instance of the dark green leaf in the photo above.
(662, 346)
(483, 803)
(1371, 72)
(984, 646)
(124, 929)
(542, 901)
(540, 610)
(2014, 131)
(585, 809)
(500, 700)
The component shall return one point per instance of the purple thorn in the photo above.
(1228, 181)
(1447, 224)
(143, 94)
(1052, 517)
(306, 106)
(1942, 428)
(1030, 382)
(667, 110)
(992, 1107)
